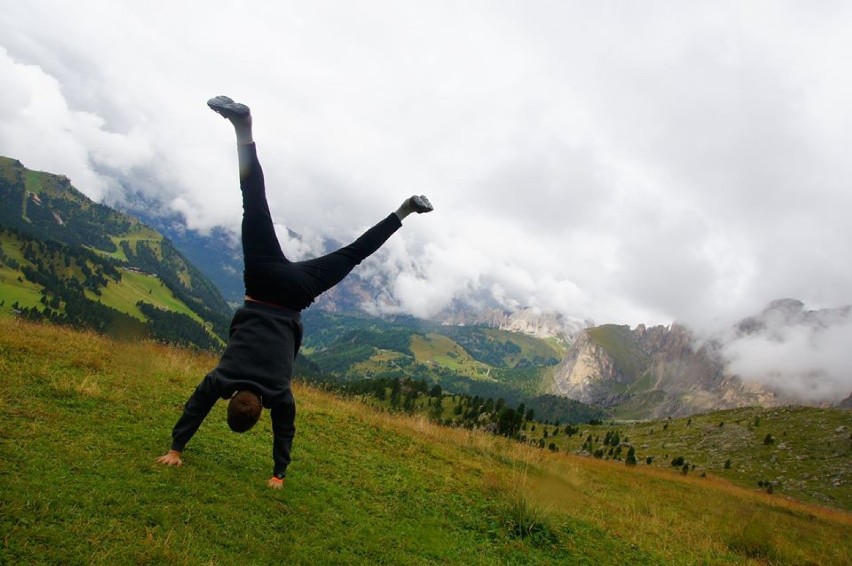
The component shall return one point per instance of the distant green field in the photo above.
(135, 287)
(434, 348)
(33, 181)
(24, 293)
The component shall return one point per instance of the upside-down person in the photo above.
(266, 333)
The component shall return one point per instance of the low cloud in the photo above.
(38, 127)
(644, 165)
(811, 362)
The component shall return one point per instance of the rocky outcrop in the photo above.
(652, 372)
(543, 324)
(586, 373)
(532, 322)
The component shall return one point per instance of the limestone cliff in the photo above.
(651, 373)
(532, 322)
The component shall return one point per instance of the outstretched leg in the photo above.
(323, 273)
(259, 241)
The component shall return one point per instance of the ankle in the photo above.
(244, 136)
(418, 204)
(403, 211)
(242, 127)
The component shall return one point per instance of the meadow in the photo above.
(84, 417)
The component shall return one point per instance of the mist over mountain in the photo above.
(784, 354)
(802, 352)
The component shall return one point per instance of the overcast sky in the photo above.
(628, 162)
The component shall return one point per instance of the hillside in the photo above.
(467, 360)
(84, 417)
(654, 372)
(803, 452)
(69, 260)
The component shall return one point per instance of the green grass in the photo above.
(12, 247)
(531, 347)
(33, 181)
(26, 294)
(810, 458)
(437, 349)
(84, 417)
(135, 287)
(122, 296)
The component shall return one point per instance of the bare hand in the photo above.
(275, 483)
(171, 458)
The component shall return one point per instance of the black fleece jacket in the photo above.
(262, 346)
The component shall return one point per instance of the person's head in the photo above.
(243, 411)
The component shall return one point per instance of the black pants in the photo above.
(269, 276)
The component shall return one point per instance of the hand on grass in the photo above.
(275, 483)
(171, 458)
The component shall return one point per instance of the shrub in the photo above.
(527, 522)
(678, 461)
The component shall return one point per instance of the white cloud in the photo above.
(678, 161)
(813, 364)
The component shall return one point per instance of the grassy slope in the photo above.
(478, 354)
(810, 457)
(437, 349)
(83, 418)
(121, 296)
(135, 287)
(12, 290)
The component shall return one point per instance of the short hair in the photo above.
(243, 411)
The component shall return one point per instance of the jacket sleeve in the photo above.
(283, 417)
(194, 412)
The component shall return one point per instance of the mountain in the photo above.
(467, 360)
(784, 313)
(664, 371)
(651, 373)
(533, 322)
(69, 260)
(642, 373)
(216, 253)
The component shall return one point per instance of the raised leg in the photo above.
(258, 233)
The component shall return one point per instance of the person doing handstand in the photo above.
(266, 333)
